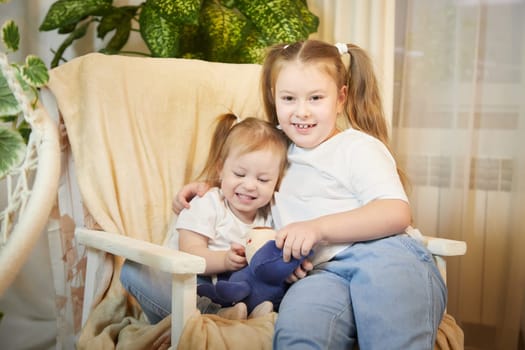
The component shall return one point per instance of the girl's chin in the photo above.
(305, 143)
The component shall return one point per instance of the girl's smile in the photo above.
(248, 181)
(303, 126)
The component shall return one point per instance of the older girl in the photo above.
(371, 283)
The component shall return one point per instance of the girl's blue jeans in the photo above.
(389, 291)
(381, 294)
(152, 290)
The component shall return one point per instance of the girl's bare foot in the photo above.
(262, 309)
(238, 311)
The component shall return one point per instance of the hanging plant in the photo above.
(32, 74)
(236, 31)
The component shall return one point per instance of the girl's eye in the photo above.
(316, 97)
(238, 174)
(287, 98)
(264, 180)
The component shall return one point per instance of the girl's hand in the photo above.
(187, 192)
(297, 239)
(300, 271)
(235, 258)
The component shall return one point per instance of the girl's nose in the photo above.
(302, 111)
(250, 184)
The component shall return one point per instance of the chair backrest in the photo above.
(139, 128)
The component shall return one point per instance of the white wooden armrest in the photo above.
(143, 252)
(446, 247)
(183, 267)
(439, 246)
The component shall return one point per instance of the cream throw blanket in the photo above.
(139, 128)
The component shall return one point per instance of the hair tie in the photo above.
(343, 48)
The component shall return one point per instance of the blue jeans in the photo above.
(383, 294)
(152, 290)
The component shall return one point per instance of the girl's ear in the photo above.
(341, 98)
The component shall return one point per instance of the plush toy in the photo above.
(263, 279)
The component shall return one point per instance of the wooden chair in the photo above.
(139, 129)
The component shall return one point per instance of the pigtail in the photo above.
(210, 173)
(364, 104)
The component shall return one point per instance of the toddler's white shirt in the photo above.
(210, 216)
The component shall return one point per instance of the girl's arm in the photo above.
(187, 192)
(216, 261)
(377, 219)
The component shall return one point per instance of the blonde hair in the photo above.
(363, 106)
(243, 136)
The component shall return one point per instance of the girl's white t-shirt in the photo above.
(343, 173)
(210, 216)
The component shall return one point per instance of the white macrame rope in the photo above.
(18, 92)
(18, 179)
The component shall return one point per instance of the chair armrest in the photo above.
(143, 252)
(439, 246)
(446, 247)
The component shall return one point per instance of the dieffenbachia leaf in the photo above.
(177, 11)
(160, 35)
(224, 30)
(252, 49)
(63, 13)
(280, 21)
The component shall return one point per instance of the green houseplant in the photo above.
(32, 74)
(214, 30)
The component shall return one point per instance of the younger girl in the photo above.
(246, 162)
(342, 195)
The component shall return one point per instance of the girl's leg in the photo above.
(398, 295)
(316, 313)
(152, 290)
(387, 291)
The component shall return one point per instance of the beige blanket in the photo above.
(139, 129)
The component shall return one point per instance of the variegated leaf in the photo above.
(12, 150)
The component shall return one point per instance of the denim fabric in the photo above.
(152, 290)
(387, 291)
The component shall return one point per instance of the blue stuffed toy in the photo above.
(263, 279)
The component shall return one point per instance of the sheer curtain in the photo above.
(459, 129)
(367, 23)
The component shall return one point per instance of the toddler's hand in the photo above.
(235, 258)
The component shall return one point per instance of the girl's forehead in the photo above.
(304, 68)
(300, 75)
(237, 153)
